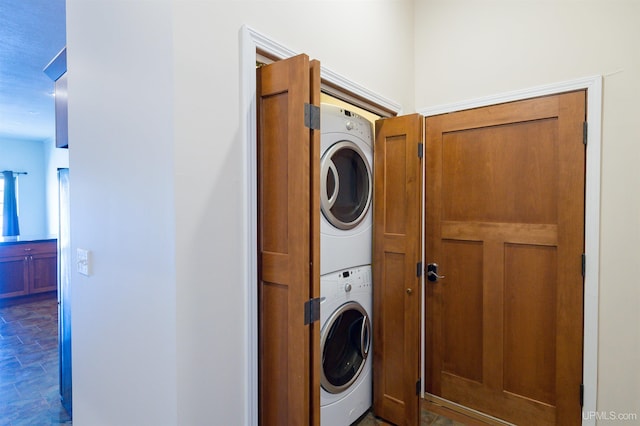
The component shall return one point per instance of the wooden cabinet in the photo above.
(28, 268)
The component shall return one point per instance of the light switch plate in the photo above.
(83, 261)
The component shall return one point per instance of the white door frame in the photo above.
(593, 85)
(252, 43)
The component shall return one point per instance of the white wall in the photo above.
(27, 156)
(159, 329)
(470, 49)
(121, 138)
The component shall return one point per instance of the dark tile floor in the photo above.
(29, 394)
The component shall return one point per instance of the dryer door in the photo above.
(345, 343)
(345, 176)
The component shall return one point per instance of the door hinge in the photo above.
(418, 386)
(312, 116)
(312, 310)
(419, 269)
(585, 128)
(584, 264)
(420, 150)
(582, 394)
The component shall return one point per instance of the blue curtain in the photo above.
(10, 225)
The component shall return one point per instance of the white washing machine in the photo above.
(346, 165)
(345, 341)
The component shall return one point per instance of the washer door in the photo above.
(345, 175)
(345, 343)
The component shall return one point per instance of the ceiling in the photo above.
(32, 32)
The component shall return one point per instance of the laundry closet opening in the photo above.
(328, 170)
(346, 290)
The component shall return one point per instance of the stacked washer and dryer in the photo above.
(345, 265)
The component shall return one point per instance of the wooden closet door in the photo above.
(396, 281)
(288, 233)
(505, 224)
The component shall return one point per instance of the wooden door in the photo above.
(505, 223)
(397, 252)
(288, 242)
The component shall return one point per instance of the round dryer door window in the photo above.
(345, 343)
(345, 175)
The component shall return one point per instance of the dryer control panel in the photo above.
(340, 120)
(353, 123)
(346, 282)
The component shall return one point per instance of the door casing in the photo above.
(253, 42)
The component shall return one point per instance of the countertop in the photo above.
(20, 239)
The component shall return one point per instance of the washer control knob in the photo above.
(349, 125)
(347, 287)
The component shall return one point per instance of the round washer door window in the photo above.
(345, 343)
(345, 195)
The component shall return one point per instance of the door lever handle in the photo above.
(432, 272)
(434, 276)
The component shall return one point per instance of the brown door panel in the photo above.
(288, 242)
(505, 223)
(397, 244)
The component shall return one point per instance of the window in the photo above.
(2, 200)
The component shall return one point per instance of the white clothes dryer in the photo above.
(345, 341)
(346, 166)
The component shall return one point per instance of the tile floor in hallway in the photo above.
(29, 394)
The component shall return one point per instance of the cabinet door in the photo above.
(43, 272)
(27, 268)
(13, 276)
